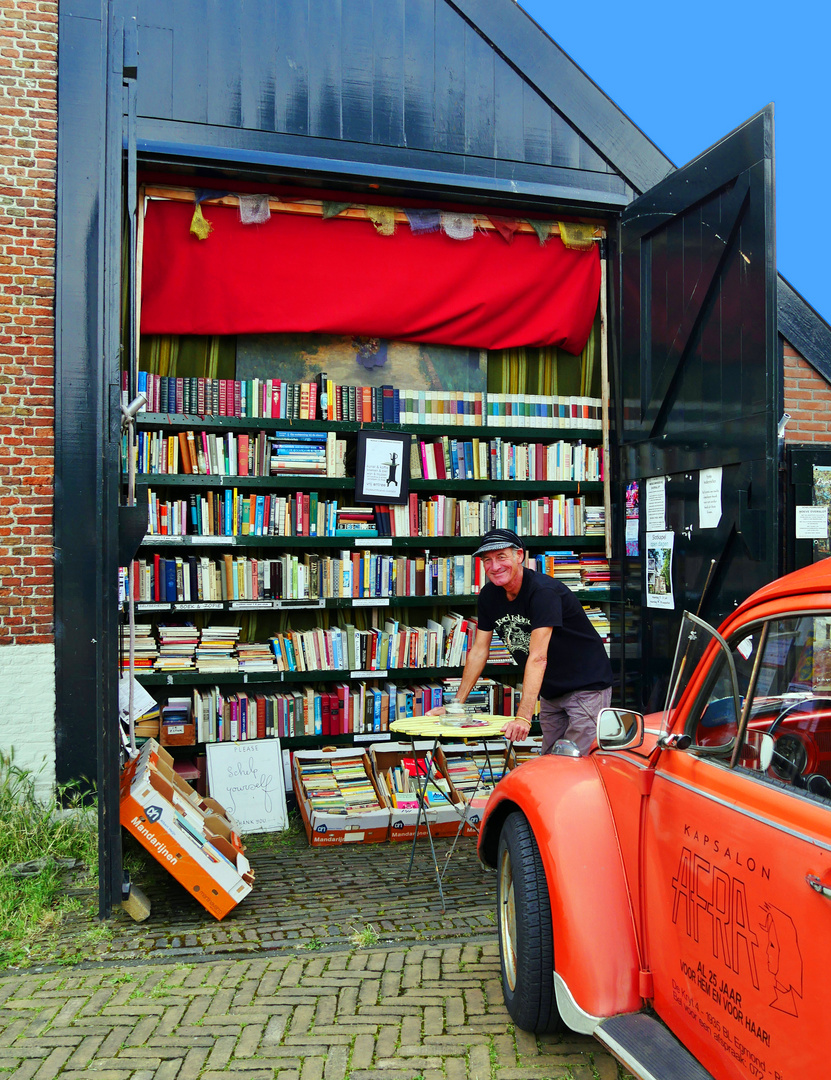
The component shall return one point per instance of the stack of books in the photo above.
(473, 774)
(145, 650)
(562, 566)
(299, 453)
(594, 520)
(177, 645)
(355, 521)
(255, 657)
(594, 571)
(215, 652)
(498, 652)
(600, 621)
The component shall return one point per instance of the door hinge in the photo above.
(645, 987)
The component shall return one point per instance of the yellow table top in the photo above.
(476, 726)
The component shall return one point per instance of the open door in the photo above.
(698, 386)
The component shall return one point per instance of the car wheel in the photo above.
(526, 939)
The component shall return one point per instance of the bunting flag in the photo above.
(458, 226)
(576, 236)
(199, 227)
(254, 209)
(543, 229)
(506, 227)
(332, 209)
(383, 218)
(423, 221)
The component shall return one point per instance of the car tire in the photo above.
(526, 939)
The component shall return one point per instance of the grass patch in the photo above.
(38, 838)
(364, 938)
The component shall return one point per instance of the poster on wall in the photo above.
(382, 470)
(822, 497)
(659, 547)
(632, 517)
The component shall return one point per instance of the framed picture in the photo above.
(382, 469)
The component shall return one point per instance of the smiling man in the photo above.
(547, 632)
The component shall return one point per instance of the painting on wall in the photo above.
(361, 361)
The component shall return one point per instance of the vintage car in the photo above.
(670, 892)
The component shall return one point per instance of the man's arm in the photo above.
(518, 728)
(474, 666)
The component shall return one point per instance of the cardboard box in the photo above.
(444, 819)
(476, 806)
(370, 827)
(193, 838)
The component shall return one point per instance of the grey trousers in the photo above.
(572, 716)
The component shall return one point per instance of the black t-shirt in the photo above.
(577, 658)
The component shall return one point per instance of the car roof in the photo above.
(813, 578)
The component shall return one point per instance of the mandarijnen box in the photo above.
(191, 836)
(444, 817)
(369, 827)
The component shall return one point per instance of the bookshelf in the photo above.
(232, 544)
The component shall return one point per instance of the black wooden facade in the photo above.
(462, 100)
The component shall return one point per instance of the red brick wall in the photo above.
(807, 399)
(28, 131)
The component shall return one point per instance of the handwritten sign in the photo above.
(247, 778)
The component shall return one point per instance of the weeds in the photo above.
(313, 944)
(366, 938)
(39, 840)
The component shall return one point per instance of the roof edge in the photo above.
(804, 328)
(514, 34)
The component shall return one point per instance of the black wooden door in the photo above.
(697, 385)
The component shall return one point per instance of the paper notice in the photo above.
(812, 523)
(709, 498)
(656, 504)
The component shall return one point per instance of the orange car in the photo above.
(670, 893)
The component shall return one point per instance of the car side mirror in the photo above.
(619, 729)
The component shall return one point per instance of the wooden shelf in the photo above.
(151, 607)
(514, 489)
(185, 421)
(292, 678)
(380, 544)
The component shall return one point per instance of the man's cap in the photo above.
(496, 539)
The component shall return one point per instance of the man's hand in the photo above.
(438, 711)
(517, 730)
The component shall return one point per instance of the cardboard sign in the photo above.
(247, 778)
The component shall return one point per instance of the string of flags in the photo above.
(256, 210)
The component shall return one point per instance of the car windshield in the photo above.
(695, 639)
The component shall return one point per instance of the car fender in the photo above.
(595, 947)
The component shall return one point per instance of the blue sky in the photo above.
(687, 75)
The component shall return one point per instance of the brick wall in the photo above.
(807, 399)
(28, 131)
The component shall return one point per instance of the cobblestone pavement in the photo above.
(422, 1013)
(281, 988)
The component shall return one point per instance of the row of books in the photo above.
(230, 512)
(448, 458)
(202, 453)
(360, 707)
(414, 780)
(323, 399)
(338, 786)
(347, 574)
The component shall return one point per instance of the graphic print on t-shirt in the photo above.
(515, 632)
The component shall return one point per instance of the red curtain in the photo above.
(299, 273)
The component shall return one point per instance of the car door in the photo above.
(738, 856)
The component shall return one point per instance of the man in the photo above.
(549, 635)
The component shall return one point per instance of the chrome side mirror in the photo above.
(619, 729)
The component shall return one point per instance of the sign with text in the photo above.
(247, 778)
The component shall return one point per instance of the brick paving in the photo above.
(280, 989)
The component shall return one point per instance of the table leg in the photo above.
(422, 795)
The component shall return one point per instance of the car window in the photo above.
(784, 667)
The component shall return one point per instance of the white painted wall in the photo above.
(27, 710)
